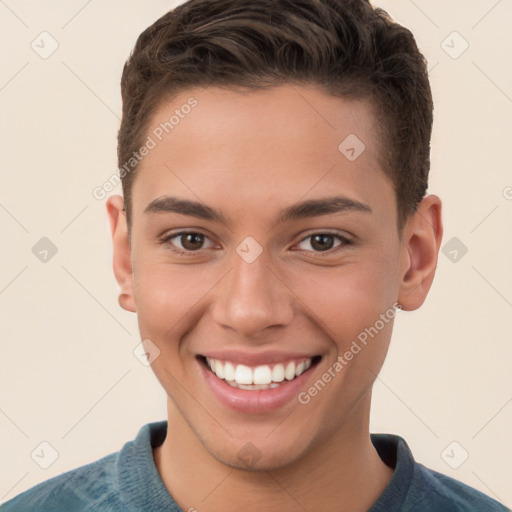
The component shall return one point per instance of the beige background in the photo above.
(68, 374)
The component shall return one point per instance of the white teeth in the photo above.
(261, 377)
(253, 387)
(278, 373)
(289, 373)
(219, 369)
(229, 371)
(243, 374)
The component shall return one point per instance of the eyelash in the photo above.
(166, 240)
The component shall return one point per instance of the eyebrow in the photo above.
(304, 209)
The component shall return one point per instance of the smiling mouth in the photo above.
(261, 377)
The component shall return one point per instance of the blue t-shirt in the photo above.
(128, 481)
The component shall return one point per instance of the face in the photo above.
(264, 249)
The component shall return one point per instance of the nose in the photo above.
(252, 298)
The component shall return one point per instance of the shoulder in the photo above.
(416, 488)
(433, 491)
(108, 484)
(87, 488)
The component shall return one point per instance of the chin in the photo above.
(258, 457)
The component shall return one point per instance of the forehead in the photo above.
(261, 146)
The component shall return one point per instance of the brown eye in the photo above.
(187, 241)
(192, 241)
(322, 242)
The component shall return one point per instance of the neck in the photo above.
(344, 473)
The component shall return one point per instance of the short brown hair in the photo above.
(347, 47)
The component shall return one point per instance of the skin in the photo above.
(250, 156)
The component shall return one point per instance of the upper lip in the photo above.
(256, 358)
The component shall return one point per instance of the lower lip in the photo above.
(258, 401)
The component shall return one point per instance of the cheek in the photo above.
(348, 299)
(166, 298)
(168, 304)
(172, 301)
(354, 308)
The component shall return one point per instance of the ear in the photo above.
(421, 241)
(122, 253)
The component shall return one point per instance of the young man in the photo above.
(274, 158)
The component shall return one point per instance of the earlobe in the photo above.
(122, 262)
(420, 249)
